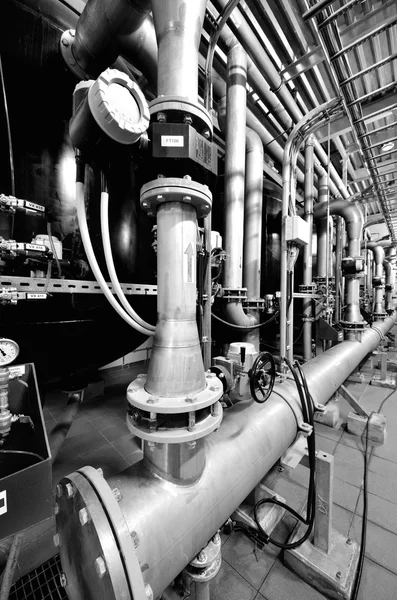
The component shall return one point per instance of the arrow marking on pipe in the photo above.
(189, 253)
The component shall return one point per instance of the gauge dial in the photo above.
(9, 351)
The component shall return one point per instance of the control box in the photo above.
(297, 230)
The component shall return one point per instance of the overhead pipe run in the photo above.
(353, 265)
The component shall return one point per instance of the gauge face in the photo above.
(9, 351)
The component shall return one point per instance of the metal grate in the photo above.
(41, 584)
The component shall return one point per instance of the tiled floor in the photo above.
(99, 437)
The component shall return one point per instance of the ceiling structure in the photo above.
(345, 48)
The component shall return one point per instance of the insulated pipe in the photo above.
(307, 312)
(178, 26)
(253, 226)
(354, 221)
(251, 439)
(106, 29)
(235, 182)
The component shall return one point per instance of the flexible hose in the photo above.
(308, 416)
(85, 237)
(11, 566)
(110, 263)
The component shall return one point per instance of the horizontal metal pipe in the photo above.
(107, 29)
(374, 131)
(335, 15)
(383, 90)
(251, 439)
(376, 113)
(318, 7)
(368, 36)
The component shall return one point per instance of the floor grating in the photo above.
(44, 583)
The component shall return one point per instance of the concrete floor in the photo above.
(99, 437)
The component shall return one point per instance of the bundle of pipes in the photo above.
(115, 541)
(127, 28)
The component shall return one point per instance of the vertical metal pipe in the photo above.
(253, 225)
(354, 226)
(176, 365)
(178, 27)
(322, 225)
(338, 267)
(207, 326)
(235, 167)
(308, 249)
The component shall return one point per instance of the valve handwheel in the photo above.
(262, 376)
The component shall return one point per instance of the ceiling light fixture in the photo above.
(387, 147)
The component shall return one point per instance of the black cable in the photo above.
(24, 452)
(308, 416)
(357, 581)
(246, 327)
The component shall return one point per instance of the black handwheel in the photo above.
(262, 376)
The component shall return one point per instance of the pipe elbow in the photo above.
(377, 251)
(253, 143)
(352, 216)
(235, 314)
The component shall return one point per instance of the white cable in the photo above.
(85, 237)
(110, 263)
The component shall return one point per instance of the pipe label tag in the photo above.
(172, 140)
(3, 502)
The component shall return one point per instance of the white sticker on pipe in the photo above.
(172, 140)
(3, 502)
(188, 264)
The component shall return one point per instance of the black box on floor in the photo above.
(25, 459)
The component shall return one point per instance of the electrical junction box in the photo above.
(297, 230)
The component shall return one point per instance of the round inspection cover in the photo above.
(119, 107)
(89, 554)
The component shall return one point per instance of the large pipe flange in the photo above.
(165, 420)
(174, 109)
(96, 548)
(176, 189)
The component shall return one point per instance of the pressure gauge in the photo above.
(9, 351)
